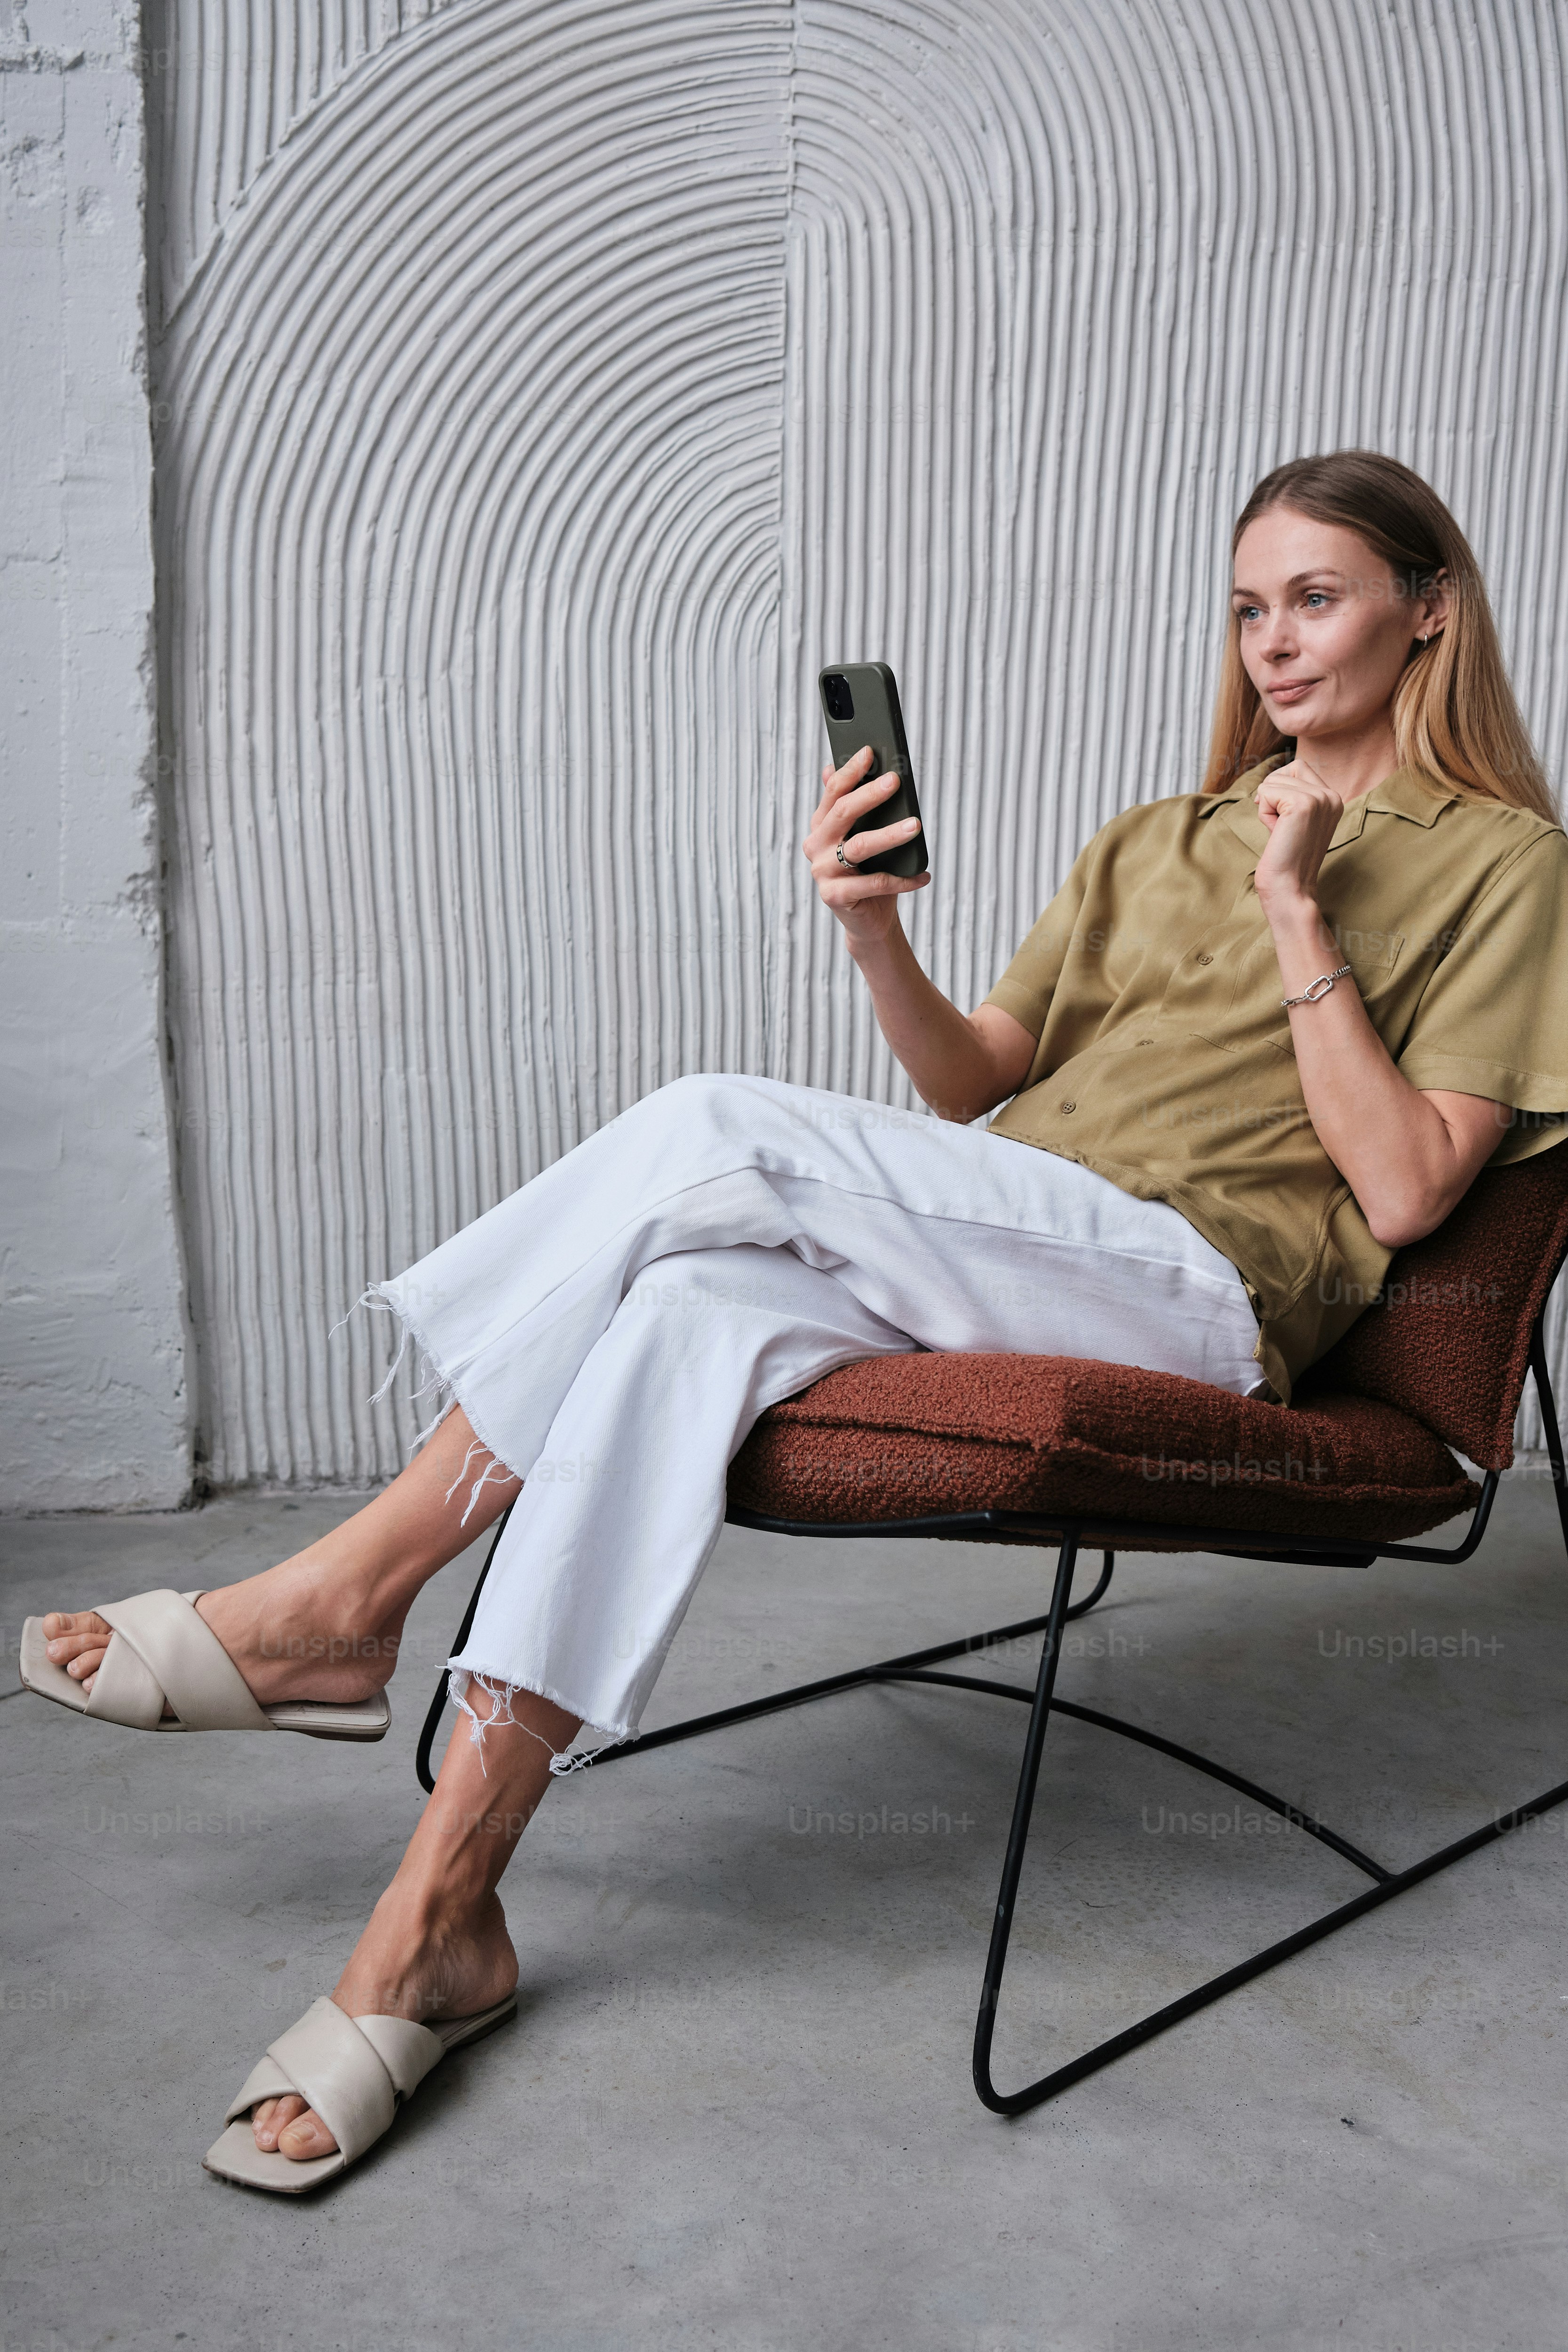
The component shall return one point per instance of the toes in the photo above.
(307, 2136)
(70, 1620)
(270, 2116)
(61, 1622)
(76, 1640)
(292, 2127)
(68, 1633)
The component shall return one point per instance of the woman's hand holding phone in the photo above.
(864, 903)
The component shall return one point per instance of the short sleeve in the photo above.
(1027, 987)
(1493, 1018)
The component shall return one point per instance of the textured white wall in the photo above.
(546, 388)
(93, 1409)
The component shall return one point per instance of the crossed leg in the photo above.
(958, 1240)
(326, 1625)
(437, 1944)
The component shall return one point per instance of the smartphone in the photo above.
(860, 706)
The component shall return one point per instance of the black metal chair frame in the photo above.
(1070, 1536)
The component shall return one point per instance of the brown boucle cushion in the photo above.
(1451, 1342)
(901, 1437)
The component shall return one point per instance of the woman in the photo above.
(1265, 1033)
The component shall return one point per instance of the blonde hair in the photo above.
(1454, 716)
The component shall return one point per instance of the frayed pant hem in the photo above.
(502, 1690)
(455, 1389)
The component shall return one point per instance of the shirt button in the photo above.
(1145, 1041)
(1066, 1106)
(1205, 959)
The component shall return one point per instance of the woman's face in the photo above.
(1324, 629)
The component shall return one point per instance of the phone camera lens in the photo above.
(836, 695)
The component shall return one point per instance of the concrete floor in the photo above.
(736, 2110)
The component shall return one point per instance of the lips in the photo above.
(1291, 689)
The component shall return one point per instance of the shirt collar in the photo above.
(1407, 793)
(1411, 793)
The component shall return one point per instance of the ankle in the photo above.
(345, 1583)
(443, 1890)
(419, 1962)
(345, 1646)
(317, 1606)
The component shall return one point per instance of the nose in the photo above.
(1278, 634)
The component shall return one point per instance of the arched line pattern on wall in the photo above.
(227, 83)
(949, 334)
(471, 456)
(1063, 282)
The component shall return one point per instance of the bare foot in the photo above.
(305, 1629)
(326, 1625)
(406, 1964)
(437, 1944)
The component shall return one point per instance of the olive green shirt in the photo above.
(1164, 1059)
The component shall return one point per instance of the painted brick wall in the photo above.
(93, 1401)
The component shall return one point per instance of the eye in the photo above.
(1245, 612)
(1317, 598)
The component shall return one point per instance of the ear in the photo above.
(1433, 610)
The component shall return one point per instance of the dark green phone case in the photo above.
(877, 720)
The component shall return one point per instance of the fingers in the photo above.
(864, 845)
(857, 891)
(1301, 812)
(839, 783)
(848, 811)
(854, 771)
(849, 794)
(833, 787)
(836, 781)
(1297, 773)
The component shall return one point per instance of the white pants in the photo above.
(614, 1327)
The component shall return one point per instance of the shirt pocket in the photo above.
(1257, 1014)
(1373, 963)
(1374, 958)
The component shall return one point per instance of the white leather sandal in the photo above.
(355, 2072)
(162, 1653)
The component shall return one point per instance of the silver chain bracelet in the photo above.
(1316, 988)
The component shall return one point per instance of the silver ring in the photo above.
(842, 860)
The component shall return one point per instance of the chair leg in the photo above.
(920, 1666)
(1018, 1834)
(1160, 2021)
(1081, 1608)
(917, 1668)
(1549, 1421)
(1390, 1883)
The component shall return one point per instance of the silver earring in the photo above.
(1420, 641)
